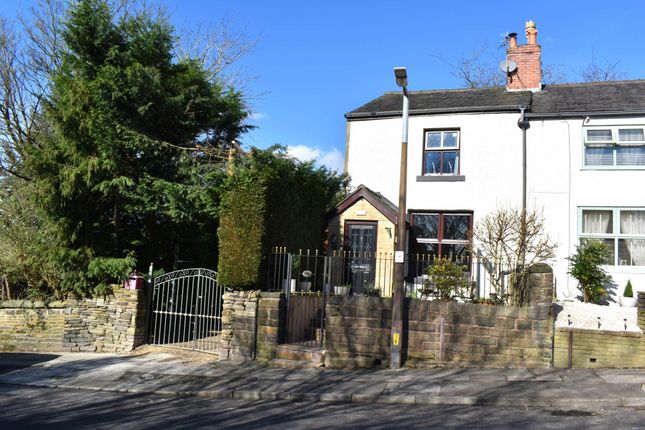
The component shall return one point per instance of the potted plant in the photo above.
(372, 290)
(305, 286)
(627, 300)
(342, 290)
(290, 284)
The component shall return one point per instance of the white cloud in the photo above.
(257, 116)
(332, 159)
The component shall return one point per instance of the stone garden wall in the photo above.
(443, 333)
(115, 323)
(251, 322)
(601, 348)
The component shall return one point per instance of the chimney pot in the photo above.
(531, 33)
(512, 40)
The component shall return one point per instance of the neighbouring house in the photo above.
(585, 168)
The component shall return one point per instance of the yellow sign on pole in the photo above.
(395, 338)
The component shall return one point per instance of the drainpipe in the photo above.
(524, 125)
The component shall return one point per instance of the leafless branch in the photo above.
(594, 72)
(510, 242)
(217, 47)
(474, 70)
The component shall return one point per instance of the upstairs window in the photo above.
(441, 152)
(615, 147)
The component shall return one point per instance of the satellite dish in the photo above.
(508, 66)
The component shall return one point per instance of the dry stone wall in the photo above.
(251, 322)
(237, 340)
(115, 323)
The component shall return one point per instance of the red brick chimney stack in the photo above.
(528, 58)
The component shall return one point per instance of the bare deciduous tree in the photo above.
(593, 72)
(217, 47)
(479, 69)
(511, 241)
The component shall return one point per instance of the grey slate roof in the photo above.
(552, 100)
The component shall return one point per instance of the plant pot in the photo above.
(289, 285)
(628, 302)
(341, 290)
(305, 286)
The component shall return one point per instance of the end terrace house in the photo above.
(585, 162)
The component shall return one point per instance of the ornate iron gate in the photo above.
(185, 310)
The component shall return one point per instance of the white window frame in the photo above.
(613, 144)
(615, 235)
(442, 149)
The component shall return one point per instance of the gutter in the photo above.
(397, 113)
(491, 109)
(582, 114)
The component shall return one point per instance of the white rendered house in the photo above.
(585, 169)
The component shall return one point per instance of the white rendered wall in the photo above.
(491, 161)
(558, 182)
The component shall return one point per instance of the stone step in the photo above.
(294, 364)
(300, 353)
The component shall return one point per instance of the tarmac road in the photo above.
(24, 407)
(19, 360)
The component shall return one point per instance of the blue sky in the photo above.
(317, 60)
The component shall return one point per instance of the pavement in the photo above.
(166, 374)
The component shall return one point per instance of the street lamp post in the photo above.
(396, 340)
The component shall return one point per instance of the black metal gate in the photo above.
(185, 310)
(308, 279)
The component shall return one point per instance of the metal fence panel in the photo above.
(372, 274)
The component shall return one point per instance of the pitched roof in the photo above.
(383, 205)
(617, 96)
(555, 99)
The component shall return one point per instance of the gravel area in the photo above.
(596, 317)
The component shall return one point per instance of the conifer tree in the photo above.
(126, 161)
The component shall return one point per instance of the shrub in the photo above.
(447, 277)
(584, 266)
(629, 292)
(271, 200)
(512, 241)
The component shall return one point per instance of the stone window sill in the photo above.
(441, 178)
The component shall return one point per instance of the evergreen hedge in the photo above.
(271, 200)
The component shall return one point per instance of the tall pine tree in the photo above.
(125, 165)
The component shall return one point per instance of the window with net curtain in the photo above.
(441, 152)
(622, 230)
(615, 147)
